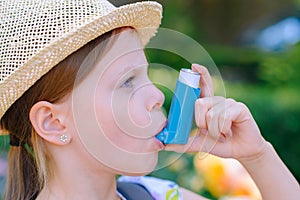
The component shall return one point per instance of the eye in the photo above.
(128, 83)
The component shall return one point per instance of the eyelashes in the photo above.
(135, 77)
(128, 83)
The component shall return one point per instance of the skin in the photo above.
(111, 119)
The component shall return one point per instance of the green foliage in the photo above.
(297, 2)
(4, 143)
(282, 69)
(279, 115)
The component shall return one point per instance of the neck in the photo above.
(74, 179)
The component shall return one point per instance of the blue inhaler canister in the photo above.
(181, 111)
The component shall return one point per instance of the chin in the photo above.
(141, 167)
(137, 173)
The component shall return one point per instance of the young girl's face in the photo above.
(116, 109)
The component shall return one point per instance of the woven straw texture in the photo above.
(35, 35)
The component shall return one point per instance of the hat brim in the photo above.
(145, 17)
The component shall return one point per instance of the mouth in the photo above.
(158, 136)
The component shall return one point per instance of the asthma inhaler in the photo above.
(181, 111)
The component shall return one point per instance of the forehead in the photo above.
(125, 54)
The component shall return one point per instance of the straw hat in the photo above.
(35, 35)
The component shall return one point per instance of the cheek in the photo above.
(103, 111)
(106, 142)
(137, 111)
(146, 123)
(128, 113)
(130, 116)
(113, 115)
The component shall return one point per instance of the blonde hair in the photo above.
(28, 174)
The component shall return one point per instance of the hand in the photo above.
(226, 128)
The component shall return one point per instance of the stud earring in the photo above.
(63, 138)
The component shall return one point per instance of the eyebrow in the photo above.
(130, 68)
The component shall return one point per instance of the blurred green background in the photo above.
(255, 45)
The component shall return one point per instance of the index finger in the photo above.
(206, 83)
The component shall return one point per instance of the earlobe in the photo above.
(48, 120)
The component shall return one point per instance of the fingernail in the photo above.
(195, 66)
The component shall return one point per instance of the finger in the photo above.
(201, 143)
(234, 113)
(225, 118)
(225, 125)
(203, 131)
(197, 143)
(193, 145)
(212, 120)
(206, 83)
(210, 146)
(202, 106)
(212, 123)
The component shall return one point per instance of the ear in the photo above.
(48, 120)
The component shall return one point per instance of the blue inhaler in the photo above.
(181, 111)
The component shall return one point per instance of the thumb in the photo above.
(199, 143)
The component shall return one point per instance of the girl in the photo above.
(80, 109)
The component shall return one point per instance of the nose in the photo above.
(155, 98)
